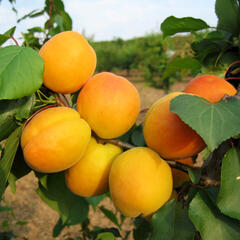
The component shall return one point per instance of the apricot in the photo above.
(89, 176)
(109, 103)
(167, 134)
(140, 182)
(55, 139)
(69, 61)
(179, 177)
(210, 87)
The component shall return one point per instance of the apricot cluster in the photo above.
(64, 139)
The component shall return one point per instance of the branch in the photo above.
(115, 142)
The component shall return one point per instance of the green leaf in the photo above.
(228, 16)
(142, 229)
(172, 25)
(21, 72)
(229, 195)
(105, 236)
(72, 208)
(8, 157)
(194, 174)
(58, 228)
(137, 137)
(12, 110)
(209, 221)
(171, 222)
(18, 170)
(110, 215)
(5, 36)
(215, 123)
(181, 63)
(94, 201)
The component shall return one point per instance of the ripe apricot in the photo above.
(109, 103)
(210, 87)
(69, 61)
(167, 134)
(89, 176)
(140, 182)
(55, 139)
(179, 177)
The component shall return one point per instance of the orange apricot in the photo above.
(55, 139)
(179, 177)
(69, 61)
(140, 182)
(167, 134)
(210, 87)
(109, 103)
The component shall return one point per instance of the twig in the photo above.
(209, 182)
(116, 142)
(66, 100)
(50, 13)
(59, 100)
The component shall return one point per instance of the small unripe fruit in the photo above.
(140, 182)
(69, 61)
(89, 177)
(109, 103)
(55, 139)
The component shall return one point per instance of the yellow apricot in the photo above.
(89, 176)
(109, 103)
(69, 61)
(167, 134)
(55, 139)
(140, 182)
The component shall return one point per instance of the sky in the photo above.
(109, 19)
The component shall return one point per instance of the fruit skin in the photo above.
(210, 87)
(167, 134)
(109, 103)
(179, 177)
(69, 61)
(89, 177)
(140, 182)
(55, 139)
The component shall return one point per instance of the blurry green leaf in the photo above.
(33, 13)
(215, 123)
(110, 215)
(181, 63)
(194, 174)
(228, 16)
(18, 170)
(142, 229)
(172, 222)
(137, 137)
(21, 68)
(12, 110)
(105, 236)
(21, 223)
(172, 25)
(8, 157)
(94, 201)
(229, 196)
(5, 223)
(72, 208)
(209, 221)
(3, 209)
(58, 228)
(5, 36)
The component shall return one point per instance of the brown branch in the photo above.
(59, 100)
(51, 2)
(115, 142)
(14, 39)
(66, 100)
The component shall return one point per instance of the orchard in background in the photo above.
(62, 121)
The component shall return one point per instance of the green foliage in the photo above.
(209, 221)
(215, 123)
(229, 196)
(26, 76)
(172, 222)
